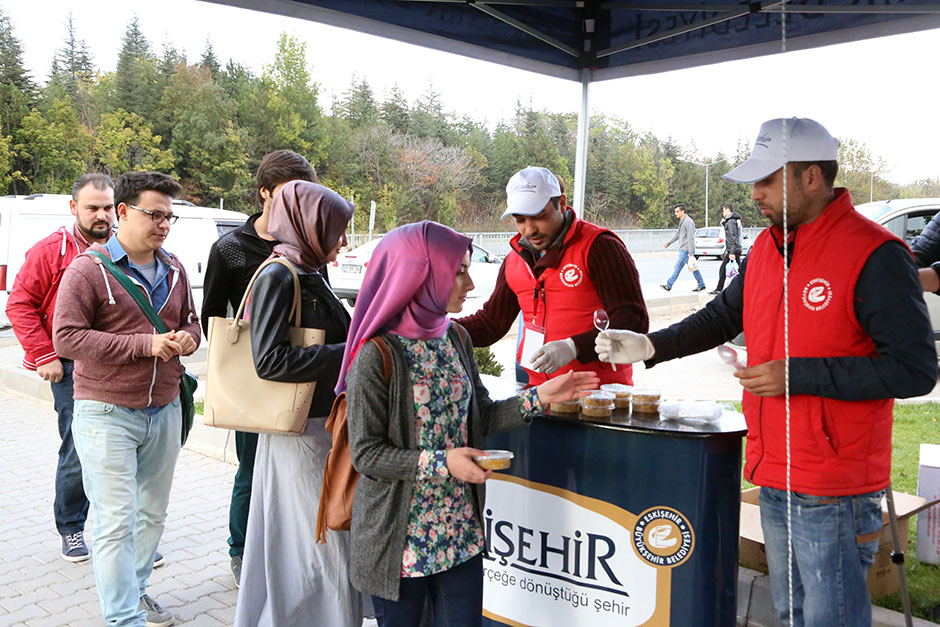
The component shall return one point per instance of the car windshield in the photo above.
(706, 233)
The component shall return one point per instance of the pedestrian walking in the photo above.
(685, 235)
(731, 224)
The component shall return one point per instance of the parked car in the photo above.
(347, 272)
(24, 220)
(710, 242)
(906, 218)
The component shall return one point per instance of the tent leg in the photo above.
(584, 124)
(898, 556)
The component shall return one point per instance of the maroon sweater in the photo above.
(99, 325)
(611, 270)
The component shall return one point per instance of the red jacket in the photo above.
(32, 300)
(837, 447)
(99, 325)
(562, 300)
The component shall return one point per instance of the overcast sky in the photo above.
(883, 92)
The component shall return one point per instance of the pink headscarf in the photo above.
(307, 220)
(407, 286)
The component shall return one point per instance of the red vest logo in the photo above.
(571, 275)
(817, 294)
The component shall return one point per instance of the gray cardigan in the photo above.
(685, 234)
(384, 450)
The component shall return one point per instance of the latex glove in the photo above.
(554, 355)
(619, 346)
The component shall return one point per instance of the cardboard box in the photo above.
(928, 523)
(883, 576)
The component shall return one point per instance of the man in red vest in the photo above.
(859, 337)
(561, 269)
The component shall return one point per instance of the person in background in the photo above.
(233, 260)
(417, 532)
(859, 338)
(685, 234)
(731, 223)
(29, 308)
(926, 249)
(288, 580)
(560, 270)
(128, 422)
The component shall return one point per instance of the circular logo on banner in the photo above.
(663, 537)
(571, 275)
(817, 294)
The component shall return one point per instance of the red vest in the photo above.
(837, 447)
(562, 300)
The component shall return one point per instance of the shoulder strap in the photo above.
(294, 313)
(132, 289)
(382, 345)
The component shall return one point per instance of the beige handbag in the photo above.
(236, 397)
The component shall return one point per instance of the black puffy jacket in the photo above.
(275, 359)
(732, 226)
(926, 246)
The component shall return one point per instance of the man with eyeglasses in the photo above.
(127, 408)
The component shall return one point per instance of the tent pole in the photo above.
(580, 158)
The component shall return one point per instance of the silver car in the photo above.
(710, 242)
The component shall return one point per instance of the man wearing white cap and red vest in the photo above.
(561, 269)
(859, 337)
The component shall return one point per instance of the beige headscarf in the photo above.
(307, 220)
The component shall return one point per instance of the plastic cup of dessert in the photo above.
(565, 407)
(597, 404)
(494, 459)
(646, 401)
(621, 392)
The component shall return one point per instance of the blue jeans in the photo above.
(455, 594)
(680, 262)
(834, 545)
(70, 507)
(128, 460)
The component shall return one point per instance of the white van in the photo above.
(24, 220)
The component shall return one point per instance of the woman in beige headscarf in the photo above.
(288, 579)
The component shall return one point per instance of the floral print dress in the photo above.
(442, 530)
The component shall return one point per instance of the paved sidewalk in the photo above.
(38, 587)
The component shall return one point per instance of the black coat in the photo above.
(275, 359)
(926, 246)
(732, 226)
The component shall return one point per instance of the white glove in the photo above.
(554, 355)
(619, 346)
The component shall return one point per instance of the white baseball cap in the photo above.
(529, 190)
(807, 140)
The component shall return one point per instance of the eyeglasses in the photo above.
(158, 216)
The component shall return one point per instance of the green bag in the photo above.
(188, 382)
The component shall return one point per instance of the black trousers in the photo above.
(724, 262)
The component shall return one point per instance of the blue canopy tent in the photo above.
(590, 40)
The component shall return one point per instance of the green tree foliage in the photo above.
(54, 147)
(209, 123)
(294, 116)
(124, 142)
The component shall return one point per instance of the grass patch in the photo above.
(199, 405)
(913, 424)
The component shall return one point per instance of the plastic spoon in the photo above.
(729, 356)
(601, 322)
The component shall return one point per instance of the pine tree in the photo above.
(72, 64)
(394, 110)
(136, 88)
(210, 61)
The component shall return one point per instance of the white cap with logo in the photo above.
(529, 190)
(807, 140)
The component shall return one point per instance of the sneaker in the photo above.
(698, 289)
(156, 615)
(158, 560)
(73, 547)
(237, 570)
(666, 287)
(715, 292)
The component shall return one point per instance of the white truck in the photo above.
(24, 220)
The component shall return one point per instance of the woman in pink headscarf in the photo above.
(287, 579)
(417, 533)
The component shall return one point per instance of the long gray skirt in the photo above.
(288, 579)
